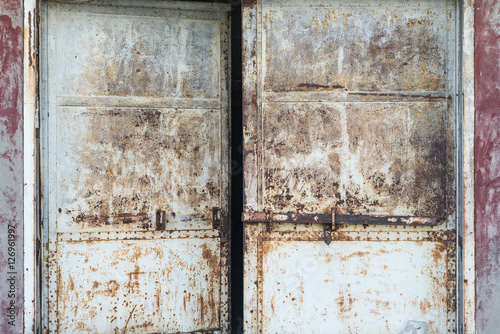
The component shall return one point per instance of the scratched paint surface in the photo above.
(487, 39)
(135, 142)
(391, 49)
(11, 163)
(158, 56)
(323, 154)
(350, 105)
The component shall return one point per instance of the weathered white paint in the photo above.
(323, 289)
(142, 286)
(373, 135)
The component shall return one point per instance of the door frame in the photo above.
(31, 198)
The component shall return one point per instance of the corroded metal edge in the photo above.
(469, 293)
(51, 254)
(250, 106)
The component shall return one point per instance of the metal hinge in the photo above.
(332, 219)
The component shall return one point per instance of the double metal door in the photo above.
(350, 185)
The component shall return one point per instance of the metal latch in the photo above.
(161, 220)
(328, 228)
(216, 220)
(332, 219)
(217, 223)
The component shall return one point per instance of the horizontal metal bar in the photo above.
(307, 218)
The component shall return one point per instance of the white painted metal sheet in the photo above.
(139, 286)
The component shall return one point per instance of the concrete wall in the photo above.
(11, 166)
(487, 76)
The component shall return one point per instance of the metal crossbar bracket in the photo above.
(216, 218)
(334, 219)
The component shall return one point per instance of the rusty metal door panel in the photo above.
(380, 158)
(139, 286)
(349, 111)
(367, 286)
(132, 162)
(361, 54)
(135, 166)
(363, 67)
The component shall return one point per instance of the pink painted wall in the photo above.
(11, 166)
(487, 74)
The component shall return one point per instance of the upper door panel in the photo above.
(351, 105)
(138, 122)
(329, 47)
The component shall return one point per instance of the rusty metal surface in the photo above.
(138, 286)
(360, 283)
(311, 218)
(132, 162)
(361, 118)
(366, 158)
(307, 293)
(136, 130)
(349, 105)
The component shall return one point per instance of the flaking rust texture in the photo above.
(121, 164)
(126, 57)
(147, 293)
(372, 284)
(356, 113)
(330, 154)
(389, 49)
(126, 164)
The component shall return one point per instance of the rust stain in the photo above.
(439, 251)
(344, 302)
(331, 61)
(424, 306)
(130, 164)
(71, 284)
(353, 114)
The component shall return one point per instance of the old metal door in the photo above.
(349, 124)
(135, 166)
